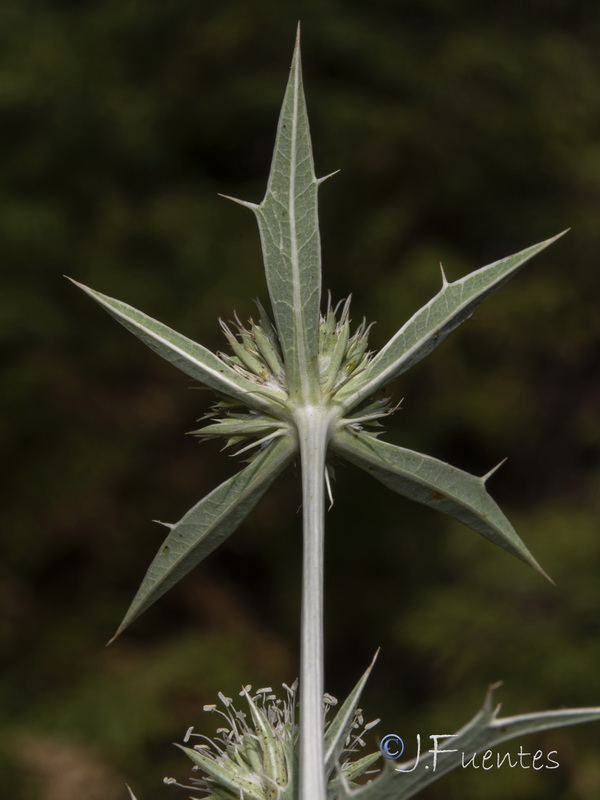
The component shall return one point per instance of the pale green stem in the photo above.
(313, 433)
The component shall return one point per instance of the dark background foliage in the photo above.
(465, 131)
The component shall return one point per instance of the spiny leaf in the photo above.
(289, 230)
(435, 484)
(188, 356)
(454, 303)
(484, 732)
(358, 768)
(208, 524)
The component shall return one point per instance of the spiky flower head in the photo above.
(254, 755)
(256, 356)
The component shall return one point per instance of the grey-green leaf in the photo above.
(208, 524)
(188, 356)
(425, 330)
(358, 768)
(435, 484)
(289, 232)
(484, 732)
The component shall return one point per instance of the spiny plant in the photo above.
(300, 386)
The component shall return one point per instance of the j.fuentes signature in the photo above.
(392, 747)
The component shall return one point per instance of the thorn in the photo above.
(168, 525)
(224, 327)
(329, 492)
(489, 698)
(489, 474)
(544, 574)
(245, 203)
(533, 563)
(297, 44)
(345, 315)
(373, 660)
(259, 442)
(79, 285)
(112, 639)
(326, 177)
(444, 279)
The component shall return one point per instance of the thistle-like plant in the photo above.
(300, 386)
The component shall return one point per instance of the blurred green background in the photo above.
(465, 131)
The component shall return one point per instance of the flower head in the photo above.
(254, 754)
(256, 356)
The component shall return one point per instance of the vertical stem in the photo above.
(313, 432)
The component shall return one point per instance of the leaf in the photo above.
(208, 524)
(425, 330)
(188, 356)
(358, 768)
(237, 780)
(435, 484)
(484, 732)
(289, 231)
(339, 728)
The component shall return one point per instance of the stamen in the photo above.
(188, 734)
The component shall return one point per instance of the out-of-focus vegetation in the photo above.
(465, 131)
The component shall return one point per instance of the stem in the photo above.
(313, 432)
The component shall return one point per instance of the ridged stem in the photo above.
(313, 425)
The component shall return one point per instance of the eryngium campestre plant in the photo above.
(301, 387)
